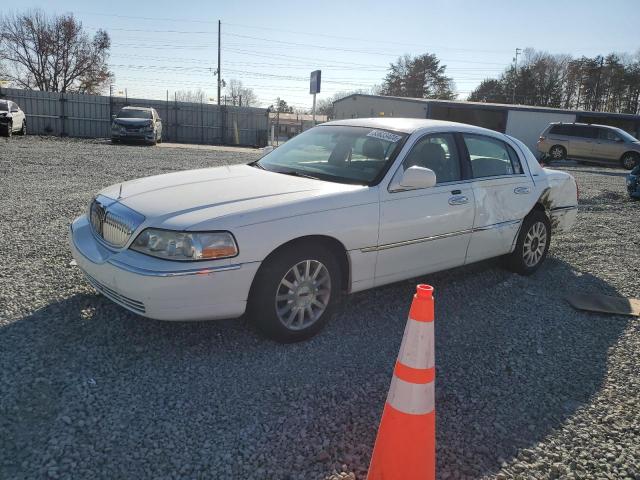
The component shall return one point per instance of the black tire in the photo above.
(115, 140)
(557, 152)
(521, 260)
(9, 131)
(23, 130)
(267, 286)
(629, 160)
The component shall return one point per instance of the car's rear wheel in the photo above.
(557, 152)
(23, 130)
(630, 160)
(295, 292)
(532, 244)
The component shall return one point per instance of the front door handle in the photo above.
(458, 200)
(522, 190)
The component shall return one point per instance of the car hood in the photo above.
(136, 122)
(229, 196)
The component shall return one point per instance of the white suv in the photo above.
(12, 119)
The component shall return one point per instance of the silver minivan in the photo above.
(590, 143)
(137, 123)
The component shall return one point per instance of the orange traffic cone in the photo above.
(405, 448)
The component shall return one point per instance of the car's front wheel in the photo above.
(9, 130)
(295, 292)
(532, 244)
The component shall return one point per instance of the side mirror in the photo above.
(113, 117)
(415, 177)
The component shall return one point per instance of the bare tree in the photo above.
(53, 53)
(195, 96)
(240, 95)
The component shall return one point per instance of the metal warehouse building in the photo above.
(522, 122)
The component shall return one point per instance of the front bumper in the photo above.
(162, 289)
(133, 135)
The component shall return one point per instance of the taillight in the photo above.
(541, 139)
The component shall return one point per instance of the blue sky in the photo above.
(272, 46)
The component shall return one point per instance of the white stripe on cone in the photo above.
(416, 349)
(412, 398)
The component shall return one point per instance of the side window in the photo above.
(586, 132)
(439, 153)
(609, 135)
(561, 130)
(491, 157)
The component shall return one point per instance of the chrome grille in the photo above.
(112, 221)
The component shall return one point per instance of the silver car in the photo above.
(137, 123)
(591, 143)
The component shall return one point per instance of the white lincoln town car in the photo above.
(346, 206)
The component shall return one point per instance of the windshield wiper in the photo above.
(257, 165)
(295, 173)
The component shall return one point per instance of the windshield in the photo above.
(4, 106)
(342, 154)
(627, 137)
(134, 114)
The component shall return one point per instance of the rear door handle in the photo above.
(522, 190)
(458, 200)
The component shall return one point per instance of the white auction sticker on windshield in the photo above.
(382, 135)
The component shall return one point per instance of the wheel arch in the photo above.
(331, 243)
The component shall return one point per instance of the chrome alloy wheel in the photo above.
(557, 153)
(303, 294)
(534, 244)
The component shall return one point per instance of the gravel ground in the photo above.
(527, 387)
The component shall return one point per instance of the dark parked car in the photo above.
(137, 123)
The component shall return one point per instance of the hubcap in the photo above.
(303, 294)
(534, 244)
(556, 153)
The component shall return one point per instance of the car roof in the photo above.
(408, 125)
(131, 107)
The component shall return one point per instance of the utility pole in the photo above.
(515, 72)
(219, 72)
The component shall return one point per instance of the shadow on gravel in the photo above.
(600, 172)
(89, 388)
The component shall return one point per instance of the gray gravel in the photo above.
(527, 387)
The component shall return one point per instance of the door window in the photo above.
(608, 135)
(491, 157)
(439, 153)
(586, 132)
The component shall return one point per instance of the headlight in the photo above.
(148, 128)
(185, 246)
